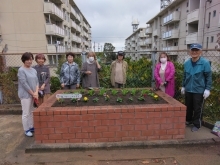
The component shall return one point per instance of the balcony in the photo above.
(53, 49)
(173, 50)
(172, 34)
(133, 45)
(78, 29)
(77, 17)
(56, 13)
(193, 16)
(142, 35)
(52, 29)
(148, 30)
(155, 32)
(192, 38)
(142, 43)
(173, 17)
(148, 41)
(73, 49)
(73, 25)
(73, 12)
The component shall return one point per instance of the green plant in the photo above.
(119, 100)
(82, 91)
(91, 92)
(145, 91)
(133, 91)
(102, 91)
(130, 98)
(114, 92)
(95, 100)
(124, 91)
(74, 100)
(54, 84)
(141, 98)
(107, 98)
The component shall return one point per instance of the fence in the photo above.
(140, 71)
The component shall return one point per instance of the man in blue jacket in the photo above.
(197, 81)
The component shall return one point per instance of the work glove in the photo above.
(182, 90)
(206, 94)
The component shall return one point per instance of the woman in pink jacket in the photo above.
(164, 75)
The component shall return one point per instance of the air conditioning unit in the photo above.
(207, 25)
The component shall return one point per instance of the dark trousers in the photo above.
(70, 86)
(117, 85)
(194, 103)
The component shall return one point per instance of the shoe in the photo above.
(31, 129)
(194, 129)
(28, 133)
(188, 123)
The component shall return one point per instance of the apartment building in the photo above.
(137, 44)
(184, 22)
(46, 26)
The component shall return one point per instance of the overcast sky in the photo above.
(111, 19)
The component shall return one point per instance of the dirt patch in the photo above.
(98, 99)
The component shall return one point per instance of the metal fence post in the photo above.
(153, 57)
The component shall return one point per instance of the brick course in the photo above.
(109, 123)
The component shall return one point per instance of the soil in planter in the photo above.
(112, 100)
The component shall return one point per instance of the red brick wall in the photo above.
(109, 123)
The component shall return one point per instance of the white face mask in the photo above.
(163, 60)
(91, 59)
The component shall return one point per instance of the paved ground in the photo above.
(13, 144)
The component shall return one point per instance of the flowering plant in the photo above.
(95, 100)
(156, 97)
(85, 99)
(107, 97)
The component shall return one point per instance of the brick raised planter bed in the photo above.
(90, 124)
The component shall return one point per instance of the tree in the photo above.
(109, 52)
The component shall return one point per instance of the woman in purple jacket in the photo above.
(164, 74)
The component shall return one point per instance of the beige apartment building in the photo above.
(45, 26)
(182, 23)
(137, 44)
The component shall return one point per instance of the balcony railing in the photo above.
(172, 49)
(148, 41)
(53, 29)
(155, 32)
(171, 34)
(142, 35)
(148, 30)
(73, 12)
(173, 17)
(193, 16)
(192, 38)
(73, 24)
(54, 49)
(53, 9)
(142, 43)
(78, 28)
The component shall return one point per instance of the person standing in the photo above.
(164, 74)
(118, 70)
(43, 74)
(197, 81)
(90, 69)
(70, 74)
(27, 91)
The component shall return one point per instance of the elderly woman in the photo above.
(70, 74)
(89, 71)
(27, 91)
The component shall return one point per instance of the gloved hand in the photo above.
(182, 90)
(206, 94)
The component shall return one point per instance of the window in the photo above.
(209, 19)
(187, 4)
(214, 13)
(212, 38)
